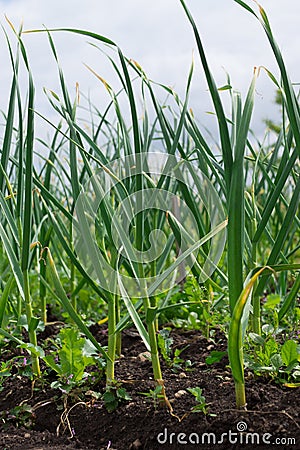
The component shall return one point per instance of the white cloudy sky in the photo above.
(157, 34)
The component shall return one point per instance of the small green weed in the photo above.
(280, 361)
(19, 416)
(200, 399)
(155, 395)
(215, 357)
(71, 359)
(113, 396)
(165, 342)
(4, 373)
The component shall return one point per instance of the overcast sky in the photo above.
(157, 34)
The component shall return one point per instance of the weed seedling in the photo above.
(214, 357)
(200, 399)
(165, 345)
(165, 342)
(4, 373)
(70, 360)
(113, 396)
(281, 362)
(20, 416)
(155, 395)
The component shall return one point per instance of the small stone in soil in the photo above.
(136, 445)
(145, 356)
(180, 393)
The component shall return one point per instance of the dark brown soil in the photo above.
(138, 423)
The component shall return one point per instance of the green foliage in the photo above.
(269, 356)
(289, 353)
(155, 395)
(215, 357)
(172, 358)
(113, 396)
(258, 186)
(272, 301)
(165, 344)
(179, 363)
(193, 308)
(20, 416)
(4, 373)
(201, 406)
(72, 357)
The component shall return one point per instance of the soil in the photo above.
(273, 412)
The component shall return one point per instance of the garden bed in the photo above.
(134, 217)
(137, 423)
